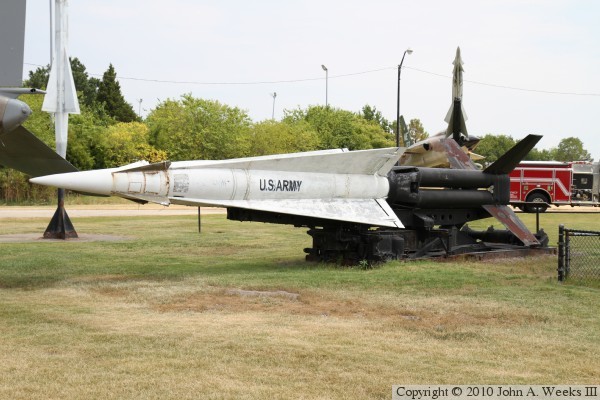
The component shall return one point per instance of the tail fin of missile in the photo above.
(51, 103)
(21, 150)
(404, 132)
(509, 219)
(457, 158)
(456, 119)
(509, 160)
(504, 165)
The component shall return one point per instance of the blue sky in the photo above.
(515, 53)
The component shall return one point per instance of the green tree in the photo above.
(493, 146)
(86, 86)
(540, 155)
(271, 137)
(39, 122)
(85, 129)
(416, 132)
(193, 128)
(571, 149)
(109, 92)
(373, 114)
(127, 142)
(39, 78)
(338, 128)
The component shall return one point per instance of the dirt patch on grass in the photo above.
(262, 293)
(424, 313)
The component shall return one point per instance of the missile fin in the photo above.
(369, 162)
(509, 160)
(144, 198)
(456, 119)
(457, 158)
(375, 212)
(139, 167)
(50, 103)
(71, 101)
(404, 131)
(508, 218)
(71, 104)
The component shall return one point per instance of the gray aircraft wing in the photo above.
(21, 150)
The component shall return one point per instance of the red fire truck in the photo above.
(553, 182)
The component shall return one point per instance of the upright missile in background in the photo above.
(456, 117)
(61, 100)
(433, 151)
(61, 96)
(349, 186)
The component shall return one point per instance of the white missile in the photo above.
(61, 95)
(333, 184)
(457, 116)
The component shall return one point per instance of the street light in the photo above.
(274, 94)
(409, 51)
(326, 83)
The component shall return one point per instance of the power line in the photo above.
(507, 87)
(233, 83)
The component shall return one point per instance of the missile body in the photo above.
(185, 185)
(358, 186)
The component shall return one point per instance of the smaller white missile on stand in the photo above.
(61, 94)
(339, 185)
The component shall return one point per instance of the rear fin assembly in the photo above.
(509, 160)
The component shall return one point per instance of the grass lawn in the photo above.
(236, 312)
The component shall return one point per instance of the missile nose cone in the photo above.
(15, 114)
(98, 182)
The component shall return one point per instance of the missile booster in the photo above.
(426, 188)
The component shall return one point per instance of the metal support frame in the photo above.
(60, 226)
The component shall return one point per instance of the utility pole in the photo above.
(274, 94)
(326, 84)
(409, 51)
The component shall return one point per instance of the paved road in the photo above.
(124, 210)
(79, 211)
(104, 210)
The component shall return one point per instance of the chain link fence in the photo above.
(578, 254)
